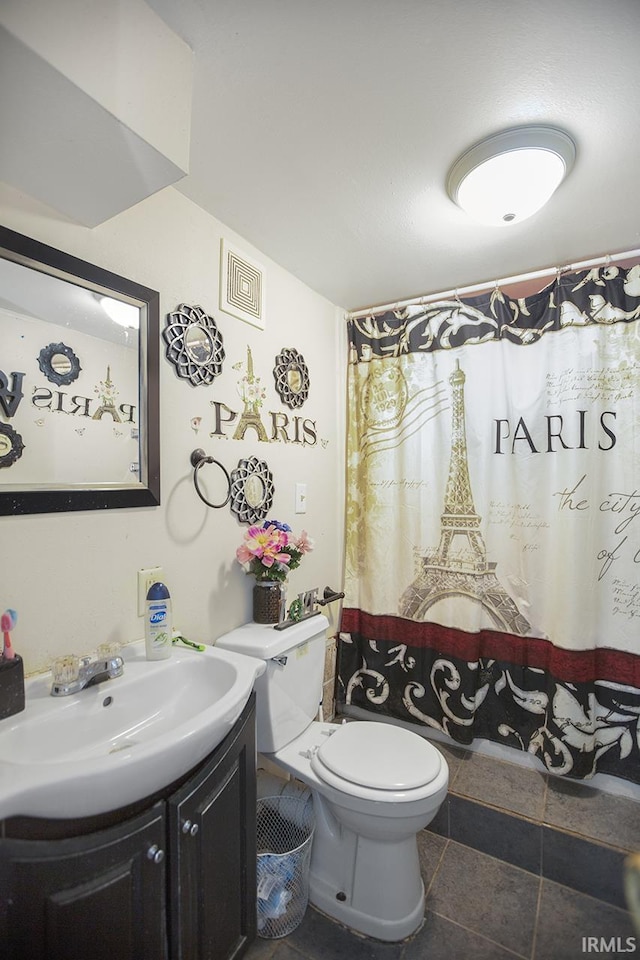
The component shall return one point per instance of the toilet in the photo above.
(374, 785)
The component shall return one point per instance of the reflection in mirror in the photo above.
(58, 362)
(294, 379)
(79, 389)
(198, 343)
(61, 364)
(254, 491)
(11, 445)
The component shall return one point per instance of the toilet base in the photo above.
(373, 886)
(322, 897)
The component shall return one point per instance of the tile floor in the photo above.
(540, 797)
(479, 907)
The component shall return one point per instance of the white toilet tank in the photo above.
(290, 690)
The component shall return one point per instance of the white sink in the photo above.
(121, 740)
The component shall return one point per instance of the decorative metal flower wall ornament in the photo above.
(252, 490)
(292, 377)
(11, 445)
(59, 364)
(194, 344)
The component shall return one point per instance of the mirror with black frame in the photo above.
(79, 364)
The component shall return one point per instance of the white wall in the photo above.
(72, 576)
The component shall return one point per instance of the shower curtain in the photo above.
(493, 520)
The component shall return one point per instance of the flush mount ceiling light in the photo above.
(510, 176)
(125, 314)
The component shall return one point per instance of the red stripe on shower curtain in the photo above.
(576, 666)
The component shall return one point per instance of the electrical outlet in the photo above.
(146, 578)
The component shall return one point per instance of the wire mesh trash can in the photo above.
(285, 828)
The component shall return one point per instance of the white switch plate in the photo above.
(146, 578)
(301, 498)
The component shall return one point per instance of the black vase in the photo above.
(267, 601)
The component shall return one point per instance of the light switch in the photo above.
(301, 498)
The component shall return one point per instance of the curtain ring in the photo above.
(198, 458)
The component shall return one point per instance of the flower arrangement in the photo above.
(270, 551)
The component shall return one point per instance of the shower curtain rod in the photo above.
(488, 285)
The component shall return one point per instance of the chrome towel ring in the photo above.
(198, 458)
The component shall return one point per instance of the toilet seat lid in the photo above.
(379, 755)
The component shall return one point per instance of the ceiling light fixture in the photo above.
(120, 312)
(510, 176)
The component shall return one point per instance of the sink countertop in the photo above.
(121, 740)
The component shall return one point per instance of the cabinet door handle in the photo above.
(190, 828)
(155, 853)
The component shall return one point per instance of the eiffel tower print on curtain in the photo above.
(459, 567)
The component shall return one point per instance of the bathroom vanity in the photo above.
(170, 877)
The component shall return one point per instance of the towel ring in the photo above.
(198, 458)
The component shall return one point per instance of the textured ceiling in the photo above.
(323, 132)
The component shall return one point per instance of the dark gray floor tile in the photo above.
(283, 951)
(454, 755)
(505, 785)
(583, 865)
(440, 823)
(441, 939)
(566, 916)
(261, 949)
(488, 897)
(320, 938)
(500, 834)
(592, 813)
(430, 850)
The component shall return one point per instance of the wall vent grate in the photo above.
(242, 286)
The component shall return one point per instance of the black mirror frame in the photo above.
(31, 253)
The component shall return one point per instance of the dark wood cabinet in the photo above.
(212, 847)
(88, 898)
(172, 878)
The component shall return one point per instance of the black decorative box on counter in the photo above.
(11, 687)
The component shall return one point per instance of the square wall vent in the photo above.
(242, 285)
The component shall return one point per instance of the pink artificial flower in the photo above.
(268, 559)
(243, 553)
(272, 547)
(258, 540)
(279, 535)
(265, 544)
(304, 543)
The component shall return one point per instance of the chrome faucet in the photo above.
(71, 675)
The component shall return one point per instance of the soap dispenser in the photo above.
(158, 627)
